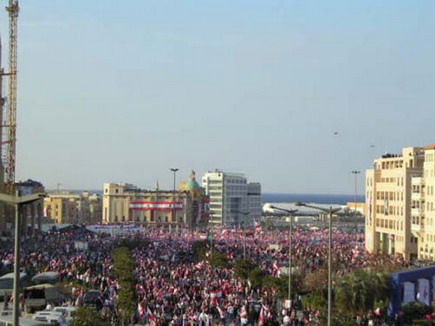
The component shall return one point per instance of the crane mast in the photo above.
(11, 122)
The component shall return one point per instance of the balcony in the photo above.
(419, 228)
(416, 212)
(417, 196)
(417, 181)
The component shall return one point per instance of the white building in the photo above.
(233, 201)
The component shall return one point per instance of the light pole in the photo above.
(330, 211)
(355, 173)
(291, 212)
(244, 233)
(173, 193)
(17, 201)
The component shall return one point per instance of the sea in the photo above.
(310, 198)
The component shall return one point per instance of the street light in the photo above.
(330, 211)
(291, 212)
(355, 172)
(18, 202)
(244, 234)
(173, 207)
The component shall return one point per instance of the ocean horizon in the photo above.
(310, 198)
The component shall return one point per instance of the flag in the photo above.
(261, 317)
(386, 206)
(140, 309)
(151, 318)
(257, 227)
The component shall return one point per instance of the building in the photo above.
(73, 208)
(31, 213)
(358, 207)
(394, 219)
(233, 201)
(185, 207)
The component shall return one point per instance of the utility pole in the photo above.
(13, 10)
(174, 213)
(355, 173)
(291, 213)
(18, 201)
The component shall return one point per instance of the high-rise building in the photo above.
(395, 220)
(233, 201)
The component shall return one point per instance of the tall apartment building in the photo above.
(233, 201)
(395, 199)
(424, 205)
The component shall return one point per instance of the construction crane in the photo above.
(11, 122)
(2, 102)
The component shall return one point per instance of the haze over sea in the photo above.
(310, 198)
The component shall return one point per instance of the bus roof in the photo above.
(40, 286)
(11, 275)
(47, 274)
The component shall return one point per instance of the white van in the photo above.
(54, 318)
(68, 312)
(8, 321)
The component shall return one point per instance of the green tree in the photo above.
(359, 292)
(124, 266)
(87, 316)
(242, 267)
(218, 260)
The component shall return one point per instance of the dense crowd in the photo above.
(174, 288)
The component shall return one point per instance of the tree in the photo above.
(123, 269)
(360, 292)
(87, 316)
(242, 267)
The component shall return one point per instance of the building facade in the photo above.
(126, 203)
(73, 208)
(395, 218)
(233, 201)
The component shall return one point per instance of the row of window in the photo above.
(389, 210)
(389, 224)
(390, 195)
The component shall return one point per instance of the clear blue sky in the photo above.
(113, 91)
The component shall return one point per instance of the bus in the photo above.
(46, 278)
(7, 284)
(38, 296)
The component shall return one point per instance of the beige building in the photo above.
(395, 200)
(73, 208)
(126, 203)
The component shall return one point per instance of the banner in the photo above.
(408, 292)
(80, 245)
(156, 205)
(423, 291)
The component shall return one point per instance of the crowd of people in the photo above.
(174, 288)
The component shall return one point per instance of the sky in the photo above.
(121, 91)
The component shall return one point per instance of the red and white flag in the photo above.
(151, 318)
(140, 309)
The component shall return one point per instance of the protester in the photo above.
(173, 288)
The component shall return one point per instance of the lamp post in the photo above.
(244, 233)
(18, 201)
(330, 211)
(174, 170)
(355, 173)
(291, 212)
